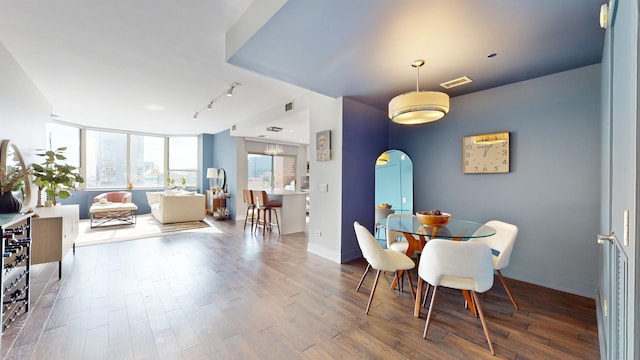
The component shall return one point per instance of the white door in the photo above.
(617, 293)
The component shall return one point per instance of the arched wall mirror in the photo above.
(394, 181)
(394, 186)
(10, 160)
(222, 178)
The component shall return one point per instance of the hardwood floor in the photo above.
(234, 295)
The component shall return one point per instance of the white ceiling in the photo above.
(103, 63)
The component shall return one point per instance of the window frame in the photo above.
(165, 166)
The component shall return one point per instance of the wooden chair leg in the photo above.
(373, 290)
(484, 324)
(364, 275)
(265, 213)
(246, 218)
(253, 213)
(413, 292)
(277, 221)
(433, 301)
(426, 295)
(504, 284)
(258, 211)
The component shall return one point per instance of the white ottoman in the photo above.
(102, 213)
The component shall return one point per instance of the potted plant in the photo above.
(11, 180)
(54, 176)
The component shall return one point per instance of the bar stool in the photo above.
(247, 196)
(265, 207)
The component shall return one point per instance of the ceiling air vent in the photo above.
(233, 127)
(274, 129)
(456, 82)
(288, 106)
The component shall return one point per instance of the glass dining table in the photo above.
(417, 234)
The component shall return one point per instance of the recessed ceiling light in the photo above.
(154, 107)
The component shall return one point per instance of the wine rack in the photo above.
(16, 266)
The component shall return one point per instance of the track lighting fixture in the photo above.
(228, 92)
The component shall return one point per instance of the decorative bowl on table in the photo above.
(433, 217)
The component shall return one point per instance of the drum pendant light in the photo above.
(418, 107)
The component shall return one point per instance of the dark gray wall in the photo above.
(552, 191)
(364, 138)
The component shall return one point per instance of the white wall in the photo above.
(24, 111)
(325, 208)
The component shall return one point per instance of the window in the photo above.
(59, 135)
(183, 160)
(106, 164)
(146, 161)
(114, 159)
(267, 172)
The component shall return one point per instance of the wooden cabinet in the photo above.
(55, 230)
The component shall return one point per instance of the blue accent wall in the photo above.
(364, 138)
(552, 192)
(225, 156)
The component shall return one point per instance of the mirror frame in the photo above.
(394, 158)
(222, 178)
(5, 148)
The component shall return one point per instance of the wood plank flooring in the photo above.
(234, 295)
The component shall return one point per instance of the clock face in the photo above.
(486, 153)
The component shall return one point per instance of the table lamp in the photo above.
(212, 173)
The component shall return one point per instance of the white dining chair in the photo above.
(502, 242)
(460, 265)
(381, 259)
(392, 236)
(380, 214)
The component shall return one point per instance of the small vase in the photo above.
(9, 203)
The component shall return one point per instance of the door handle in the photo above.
(602, 238)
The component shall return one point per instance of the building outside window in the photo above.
(267, 172)
(183, 161)
(146, 161)
(106, 162)
(115, 159)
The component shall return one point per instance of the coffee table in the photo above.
(114, 213)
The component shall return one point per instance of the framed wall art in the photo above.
(323, 145)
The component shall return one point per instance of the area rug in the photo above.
(146, 226)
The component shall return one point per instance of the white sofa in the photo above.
(176, 206)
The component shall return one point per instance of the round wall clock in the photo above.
(486, 153)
